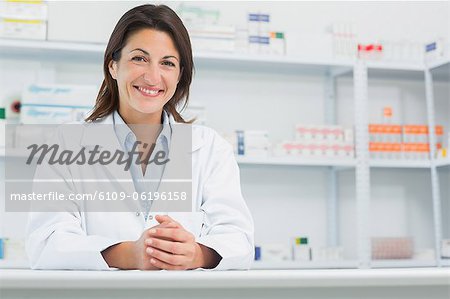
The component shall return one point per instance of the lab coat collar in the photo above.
(92, 138)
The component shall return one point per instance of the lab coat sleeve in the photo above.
(228, 225)
(56, 236)
(56, 240)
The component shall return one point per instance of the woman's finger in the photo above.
(167, 246)
(174, 234)
(166, 218)
(164, 266)
(171, 259)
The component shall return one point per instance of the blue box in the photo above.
(2, 249)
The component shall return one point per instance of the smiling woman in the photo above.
(148, 70)
(147, 74)
(149, 54)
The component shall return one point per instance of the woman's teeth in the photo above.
(148, 91)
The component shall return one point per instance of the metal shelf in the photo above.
(90, 52)
(14, 264)
(445, 262)
(76, 52)
(413, 71)
(269, 265)
(379, 163)
(395, 66)
(408, 263)
(296, 161)
(443, 61)
(443, 162)
(323, 162)
(51, 51)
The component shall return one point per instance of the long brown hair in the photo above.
(158, 17)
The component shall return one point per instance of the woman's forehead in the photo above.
(150, 39)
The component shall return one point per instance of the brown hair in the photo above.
(158, 17)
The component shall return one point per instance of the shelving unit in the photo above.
(296, 161)
(443, 162)
(330, 69)
(407, 263)
(55, 51)
(263, 265)
(445, 262)
(400, 163)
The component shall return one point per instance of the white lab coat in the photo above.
(219, 219)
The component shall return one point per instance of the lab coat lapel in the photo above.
(102, 133)
(177, 176)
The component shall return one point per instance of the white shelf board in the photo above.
(278, 63)
(395, 66)
(445, 262)
(443, 162)
(407, 263)
(439, 62)
(14, 264)
(90, 52)
(13, 153)
(51, 50)
(295, 161)
(411, 71)
(271, 265)
(385, 163)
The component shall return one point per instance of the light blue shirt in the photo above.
(153, 174)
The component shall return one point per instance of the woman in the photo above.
(148, 69)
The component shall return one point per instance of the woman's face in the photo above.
(147, 75)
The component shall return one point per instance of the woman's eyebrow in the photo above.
(148, 54)
(170, 56)
(139, 49)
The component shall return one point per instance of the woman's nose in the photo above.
(152, 74)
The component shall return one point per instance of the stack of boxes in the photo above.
(205, 30)
(392, 248)
(251, 143)
(344, 40)
(393, 141)
(300, 250)
(318, 141)
(213, 38)
(401, 142)
(23, 19)
(260, 39)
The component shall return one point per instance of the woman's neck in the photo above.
(141, 118)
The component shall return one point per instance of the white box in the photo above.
(23, 29)
(56, 104)
(273, 252)
(445, 250)
(301, 253)
(24, 10)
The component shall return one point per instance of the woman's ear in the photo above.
(112, 66)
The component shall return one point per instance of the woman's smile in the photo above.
(151, 92)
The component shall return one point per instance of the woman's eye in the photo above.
(168, 63)
(138, 59)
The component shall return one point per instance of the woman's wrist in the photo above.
(122, 255)
(207, 258)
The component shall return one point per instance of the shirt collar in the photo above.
(123, 131)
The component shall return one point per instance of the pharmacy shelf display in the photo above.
(93, 53)
(365, 250)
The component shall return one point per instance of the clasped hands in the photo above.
(169, 246)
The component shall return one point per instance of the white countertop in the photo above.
(40, 279)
